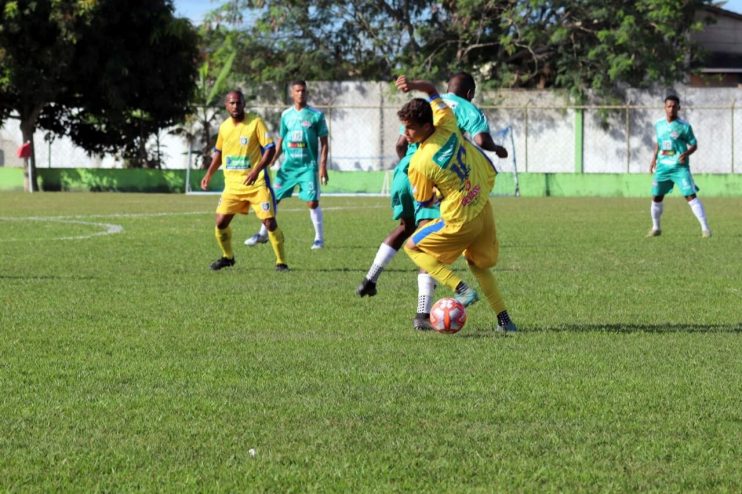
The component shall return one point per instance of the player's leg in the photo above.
(425, 290)
(280, 189)
(661, 185)
(315, 214)
(263, 204)
(436, 245)
(481, 257)
(403, 209)
(307, 180)
(687, 186)
(384, 255)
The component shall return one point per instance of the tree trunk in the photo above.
(30, 180)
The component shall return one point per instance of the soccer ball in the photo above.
(448, 316)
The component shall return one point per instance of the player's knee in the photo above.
(270, 224)
(313, 204)
(690, 197)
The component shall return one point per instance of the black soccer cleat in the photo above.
(222, 262)
(421, 322)
(367, 287)
(282, 267)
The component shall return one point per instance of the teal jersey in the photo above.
(300, 131)
(673, 139)
(469, 118)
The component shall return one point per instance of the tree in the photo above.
(578, 45)
(106, 73)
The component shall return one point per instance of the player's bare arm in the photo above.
(216, 160)
(279, 150)
(653, 164)
(264, 160)
(323, 152)
(405, 85)
(484, 141)
(684, 156)
(401, 146)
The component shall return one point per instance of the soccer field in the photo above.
(126, 364)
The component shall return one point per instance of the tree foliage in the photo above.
(106, 73)
(578, 45)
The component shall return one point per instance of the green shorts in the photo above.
(403, 202)
(290, 176)
(666, 176)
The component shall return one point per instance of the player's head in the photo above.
(417, 118)
(672, 105)
(462, 84)
(299, 92)
(234, 103)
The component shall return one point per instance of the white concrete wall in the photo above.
(364, 129)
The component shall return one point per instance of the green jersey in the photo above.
(300, 131)
(469, 118)
(673, 139)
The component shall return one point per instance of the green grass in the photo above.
(126, 365)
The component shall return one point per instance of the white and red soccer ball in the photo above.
(447, 315)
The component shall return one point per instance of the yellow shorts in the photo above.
(260, 199)
(476, 240)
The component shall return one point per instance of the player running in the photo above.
(301, 127)
(243, 149)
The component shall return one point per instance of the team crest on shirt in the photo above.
(306, 123)
(265, 206)
(674, 134)
(243, 141)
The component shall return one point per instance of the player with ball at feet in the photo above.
(463, 176)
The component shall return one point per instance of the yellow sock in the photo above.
(439, 271)
(276, 238)
(224, 239)
(488, 284)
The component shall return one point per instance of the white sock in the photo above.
(263, 231)
(316, 216)
(697, 207)
(425, 289)
(656, 211)
(383, 257)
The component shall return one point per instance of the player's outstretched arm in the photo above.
(215, 161)
(405, 85)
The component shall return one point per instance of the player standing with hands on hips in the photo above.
(301, 127)
(244, 148)
(449, 167)
(671, 166)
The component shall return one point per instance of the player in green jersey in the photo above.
(302, 126)
(670, 166)
(472, 122)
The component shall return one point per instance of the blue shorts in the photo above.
(665, 177)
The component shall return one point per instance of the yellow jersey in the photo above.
(461, 172)
(242, 145)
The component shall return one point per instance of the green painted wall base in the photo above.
(530, 184)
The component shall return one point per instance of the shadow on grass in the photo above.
(641, 328)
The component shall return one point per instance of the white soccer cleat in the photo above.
(706, 233)
(317, 244)
(654, 233)
(256, 239)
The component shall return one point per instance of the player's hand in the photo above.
(205, 182)
(403, 84)
(682, 157)
(251, 177)
(323, 178)
(652, 166)
(501, 152)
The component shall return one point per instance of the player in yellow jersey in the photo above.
(243, 149)
(449, 168)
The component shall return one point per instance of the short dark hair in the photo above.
(417, 111)
(298, 82)
(672, 97)
(461, 82)
(238, 92)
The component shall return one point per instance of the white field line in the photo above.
(111, 229)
